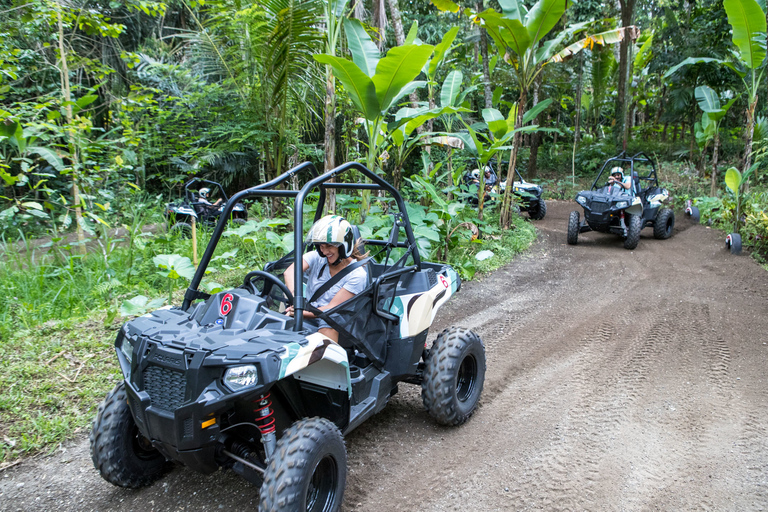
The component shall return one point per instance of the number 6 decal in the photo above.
(226, 304)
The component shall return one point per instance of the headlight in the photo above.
(622, 204)
(126, 347)
(240, 377)
(581, 200)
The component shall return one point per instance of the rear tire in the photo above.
(121, 454)
(454, 374)
(633, 232)
(573, 228)
(182, 230)
(733, 242)
(308, 470)
(664, 224)
(540, 212)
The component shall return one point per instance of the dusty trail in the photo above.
(617, 380)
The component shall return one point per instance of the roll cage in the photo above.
(321, 183)
(623, 158)
(190, 197)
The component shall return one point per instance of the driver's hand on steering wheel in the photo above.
(288, 311)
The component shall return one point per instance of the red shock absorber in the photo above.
(264, 414)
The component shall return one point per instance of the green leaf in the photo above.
(506, 33)
(689, 62)
(441, 50)
(8, 128)
(175, 265)
(450, 90)
(707, 98)
(412, 33)
(733, 180)
(513, 9)
(749, 30)
(543, 17)
(533, 112)
(48, 155)
(364, 52)
(446, 5)
(496, 122)
(360, 88)
(401, 65)
(134, 306)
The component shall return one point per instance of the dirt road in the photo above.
(617, 380)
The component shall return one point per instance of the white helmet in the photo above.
(618, 170)
(333, 230)
(204, 192)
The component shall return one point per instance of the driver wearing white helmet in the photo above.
(336, 248)
(204, 193)
(618, 179)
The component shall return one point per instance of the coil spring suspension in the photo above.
(264, 414)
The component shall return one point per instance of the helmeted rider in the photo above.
(204, 193)
(336, 247)
(618, 179)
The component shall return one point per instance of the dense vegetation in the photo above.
(108, 108)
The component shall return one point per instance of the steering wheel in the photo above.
(269, 281)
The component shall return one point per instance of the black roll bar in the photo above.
(320, 182)
(624, 157)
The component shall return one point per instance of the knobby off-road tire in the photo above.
(573, 228)
(308, 471)
(539, 212)
(182, 230)
(454, 374)
(664, 224)
(121, 454)
(635, 225)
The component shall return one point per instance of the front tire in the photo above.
(121, 454)
(182, 230)
(633, 232)
(539, 212)
(308, 470)
(454, 374)
(664, 224)
(573, 228)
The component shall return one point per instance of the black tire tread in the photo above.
(540, 212)
(664, 224)
(438, 387)
(573, 228)
(285, 476)
(110, 441)
(635, 225)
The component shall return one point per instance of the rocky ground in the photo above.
(616, 380)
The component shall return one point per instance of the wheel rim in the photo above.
(321, 492)
(465, 380)
(142, 447)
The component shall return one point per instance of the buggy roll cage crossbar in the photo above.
(188, 196)
(321, 183)
(623, 157)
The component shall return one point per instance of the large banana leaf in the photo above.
(513, 9)
(531, 114)
(496, 122)
(644, 55)
(441, 49)
(603, 38)
(506, 32)
(400, 66)
(364, 51)
(543, 17)
(450, 90)
(699, 60)
(360, 88)
(708, 99)
(748, 22)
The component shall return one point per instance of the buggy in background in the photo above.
(609, 208)
(204, 202)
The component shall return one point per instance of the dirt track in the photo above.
(617, 380)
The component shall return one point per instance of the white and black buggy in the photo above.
(228, 381)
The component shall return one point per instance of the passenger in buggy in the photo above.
(336, 251)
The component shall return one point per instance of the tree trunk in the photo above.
(330, 135)
(66, 92)
(505, 216)
(625, 66)
(713, 187)
(535, 137)
(486, 65)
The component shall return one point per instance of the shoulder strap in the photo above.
(335, 279)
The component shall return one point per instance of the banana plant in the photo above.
(714, 113)
(375, 84)
(736, 181)
(748, 24)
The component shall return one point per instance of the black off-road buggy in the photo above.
(608, 209)
(528, 194)
(228, 381)
(193, 206)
